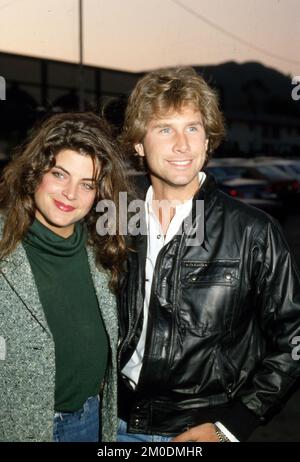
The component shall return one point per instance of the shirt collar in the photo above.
(149, 195)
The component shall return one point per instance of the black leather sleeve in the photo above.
(277, 304)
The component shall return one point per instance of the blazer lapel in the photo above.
(17, 272)
(106, 299)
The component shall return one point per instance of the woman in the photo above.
(58, 322)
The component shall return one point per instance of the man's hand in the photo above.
(201, 433)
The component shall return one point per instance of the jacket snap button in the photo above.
(228, 276)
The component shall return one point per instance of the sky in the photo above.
(140, 35)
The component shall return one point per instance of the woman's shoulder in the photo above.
(2, 222)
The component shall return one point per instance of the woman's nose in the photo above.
(70, 192)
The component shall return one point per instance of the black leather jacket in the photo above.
(222, 317)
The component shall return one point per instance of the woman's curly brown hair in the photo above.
(86, 134)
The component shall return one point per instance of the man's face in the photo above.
(175, 148)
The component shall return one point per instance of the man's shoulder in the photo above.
(238, 210)
(240, 218)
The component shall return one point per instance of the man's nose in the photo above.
(181, 142)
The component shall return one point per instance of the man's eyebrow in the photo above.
(168, 123)
(195, 122)
(68, 173)
(160, 124)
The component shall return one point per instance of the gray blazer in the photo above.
(27, 356)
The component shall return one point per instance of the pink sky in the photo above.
(137, 35)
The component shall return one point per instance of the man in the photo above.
(207, 325)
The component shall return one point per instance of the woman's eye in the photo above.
(58, 174)
(88, 186)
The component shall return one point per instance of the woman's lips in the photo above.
(63, 207)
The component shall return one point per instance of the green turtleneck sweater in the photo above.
(62, 275)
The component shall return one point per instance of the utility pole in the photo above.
(81, 69)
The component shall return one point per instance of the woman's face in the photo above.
(66, 193)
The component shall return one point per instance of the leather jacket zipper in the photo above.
(227, 387)
(126, 339)
(159, 258)
(174, 302)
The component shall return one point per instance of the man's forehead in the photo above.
(171, 112)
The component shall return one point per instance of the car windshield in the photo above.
(226, 173)
(272, 172)
(289, 169)
(296, 167)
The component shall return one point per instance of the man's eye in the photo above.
(165, 130)
(193, 129)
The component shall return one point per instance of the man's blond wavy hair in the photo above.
(163, 90)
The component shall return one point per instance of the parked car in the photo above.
(252, 192)
(288, 166)
(279, 182)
